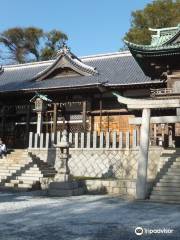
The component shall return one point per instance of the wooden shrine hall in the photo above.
(80, 94)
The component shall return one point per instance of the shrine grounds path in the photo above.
(33, 216)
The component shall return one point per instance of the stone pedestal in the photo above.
(65, 189)
(63, 186)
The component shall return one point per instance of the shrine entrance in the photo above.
(147, 106)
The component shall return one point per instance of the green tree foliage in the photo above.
(30, 44)
(158, 14)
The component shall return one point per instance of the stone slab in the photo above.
(63, 185)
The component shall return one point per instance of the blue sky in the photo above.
(93, 26)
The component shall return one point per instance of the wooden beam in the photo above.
(162, 119)
(108, 111)
(55, 118)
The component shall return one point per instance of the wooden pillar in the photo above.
(84, 115)
(143, 156)
(28, 113)
(100, 116)
(55, 118)
(3, 121)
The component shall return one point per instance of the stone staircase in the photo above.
(22, 171)
(167, 187)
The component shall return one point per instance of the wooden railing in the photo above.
(114, 140)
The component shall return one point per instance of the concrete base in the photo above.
(65, 189)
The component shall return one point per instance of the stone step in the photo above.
(34, 168)
(48, 171)
(167, 188)
(171, 178)
(31, 174)
(17, 155)
(175, 167)
(25, 185)
(12, 165)
(28, 178)
(16, 181)
(5, 171)
(165, 198)
(9, 184)
(176, 164)
(14, 168)
(172, 173)
(5, 174)
(13, 189)
(48, 175)
(168, 184)
(3, 177)
(166, 159)
(166, 193)
(18, 185)
(2, 168)
(165, 201)
(174, 180)
(17, 161)
(13, 156)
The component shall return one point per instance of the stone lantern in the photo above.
(63, 172)
(63, 185)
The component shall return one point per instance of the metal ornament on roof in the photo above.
(64, 49)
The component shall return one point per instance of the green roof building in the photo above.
(160, 58)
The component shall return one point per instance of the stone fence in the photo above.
(114, 140)
(107, 158)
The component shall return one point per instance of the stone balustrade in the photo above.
(80, 140)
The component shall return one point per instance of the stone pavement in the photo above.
(31, 216)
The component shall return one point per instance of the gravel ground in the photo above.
(32, 216)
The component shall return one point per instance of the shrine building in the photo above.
(113, 105)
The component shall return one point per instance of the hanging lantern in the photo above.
(40, 105)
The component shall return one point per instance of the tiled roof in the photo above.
(164, 39)
(113, 69)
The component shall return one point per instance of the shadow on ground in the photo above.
(32, 216)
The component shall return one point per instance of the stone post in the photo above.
(143, 155)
